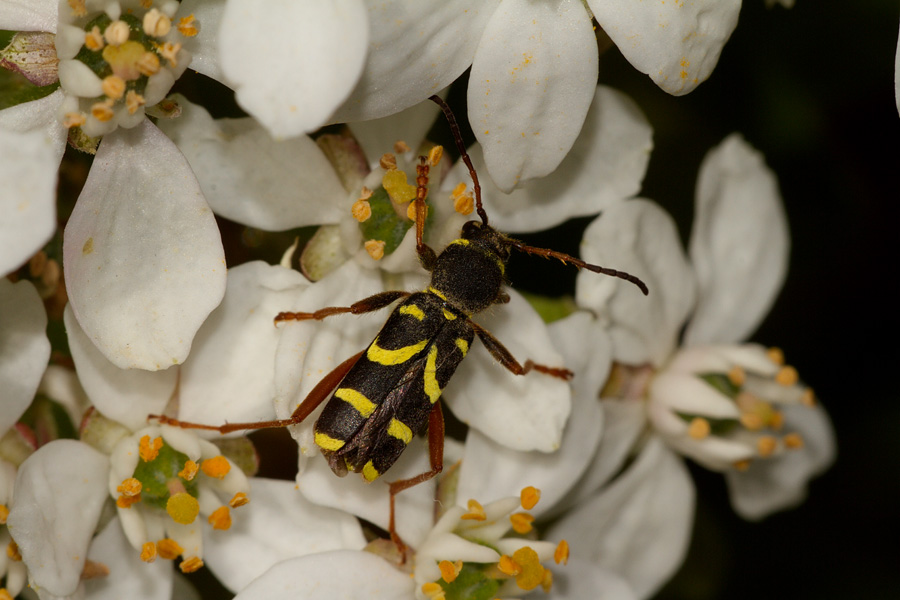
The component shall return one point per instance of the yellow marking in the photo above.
(436, 293)
(413, 311)
(369, 472)
(326, 442)
(463, 346)
(399, 430)
(460, 241)
(363, 405)
(449, 315)
(383, 356)
(432, 389)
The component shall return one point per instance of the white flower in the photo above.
(532, 63)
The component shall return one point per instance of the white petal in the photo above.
(579, 579)
(29, 15)
(640, 238)
(676, 43)
(640, 525)
(739, 243)
(204, 47)
(124, 395)
(129, 576)
(377, 136)
(277, 524)
(77, 79)
(24, 348)
(250, 178)
(293, 63)
(143, 258)
(691, 395)
(344, 574)
(605, 166)
(60, 490)
(490, 470)
(32, 143)
(230, 373)
(417, 48)
(532, 81)
(521, 412)
(780, 483)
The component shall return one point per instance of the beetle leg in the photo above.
(435, 456)
(505, 357)
(320, 393)
(372, 303)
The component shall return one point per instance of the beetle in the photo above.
(378, 399)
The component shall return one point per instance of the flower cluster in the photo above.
(137, 318)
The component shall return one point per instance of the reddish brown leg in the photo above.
(435, 456)
(372, 303)
(316, 396)
(505, 357)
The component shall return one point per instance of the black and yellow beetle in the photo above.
(379, 398)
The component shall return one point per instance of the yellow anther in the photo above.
(187, 26)
(133, 101)
(411, 211)
(124, 501)
(148, 552)
(737, 376)
(521, 522)
(508, 566)
(746, 401)
(387, 161)
(117, 33)
(547, 582)
(4, 514)
(148, 449)
(191, 564)
(169, 51)
(113, 86)
(5, 595)
(450, 571)
(476, 512)
(361, 210)
(238, 499)
(401, 147)
(529, 496)
(752, 421)
(93, 570)
(396, 186)
(776, 421)
(433, 591)
(148, 64)
(464, 204)
(102, 111)
(434, 155)
(561, 554)
(699, 428)
(375, 248)
(12, 551)
(168, 548)
(156, 24)
(459, 190)
(365, 193)
(793, 441)
(532, 571)
(130, 487)
(183, 508)
(79, 8)
(766, 445)
(93, 39)
(189, 471)
(220, 518)
(742, 465)
(775, 355)
(787, 376)
(217, 466)
(808, 398)
(146, 3)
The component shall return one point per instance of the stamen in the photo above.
(191, 565)
(464, 204)
(168, 548)
(126, 501)
(476, 512)
(12, 551)
(532, 571)
(361, 210)
(433, 591)
(93, 39)
(365, 193)
(808, 398)
(239, 499)
(93, 570)
(148, 64)
(220, 518)
(183, 508)
(146, 3)
(169, 51)
(388, 161)
(148, 552)
(78, 8)
(156, 24)
(117, 33)
(529, 496)
(737, 376)
(508, 566)
(547, 582)
(401, 147)
(149, 450)
(217, 466)
(102, 111)
(752, 421)
(775, 355)
(375, 248)
(133, 101)
(699, 428)
(787, 376)
(113, 86)
(4, 514)
(746, 401)
(187, 26)
(742, 465)
(521, 522)
(766, 446)
(434, 156)
(74, 119)
(130, 487)
(561, 555)
(189, 471)
(5, 595)
(450, 571)
(776, 421)
(793, 441)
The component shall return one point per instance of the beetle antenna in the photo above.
(460, 145)
(571, 260)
